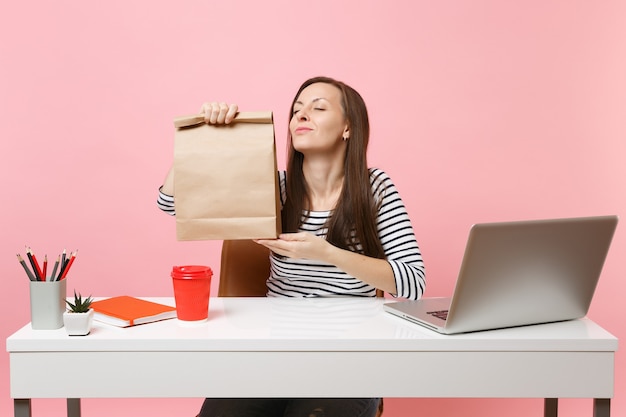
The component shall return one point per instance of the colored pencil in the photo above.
(44, 272)
(54, 270)
(33, 263)
(64, 262)
(69, 264)
(30, 274)
(39, 273)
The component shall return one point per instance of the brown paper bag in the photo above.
(225, 178)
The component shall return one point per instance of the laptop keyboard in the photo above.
(440, 314)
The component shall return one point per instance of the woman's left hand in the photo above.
(303, 245)
(300, 245)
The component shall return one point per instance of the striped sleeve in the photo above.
(166, 203)
(398, 238)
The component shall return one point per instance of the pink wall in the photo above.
(481, 111)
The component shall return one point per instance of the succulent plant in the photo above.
(80, 305)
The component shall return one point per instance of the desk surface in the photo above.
(280, 324)
(330, 347)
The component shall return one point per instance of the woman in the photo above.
(346, 231)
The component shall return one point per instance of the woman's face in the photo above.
(318, 123)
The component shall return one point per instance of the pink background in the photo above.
(481, 111)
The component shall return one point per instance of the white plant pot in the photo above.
(78, 324)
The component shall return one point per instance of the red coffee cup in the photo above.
(192, 288)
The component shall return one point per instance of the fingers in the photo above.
(302, 245)
(231, 113)
(218, 112)
(300, 236)
(275, 245)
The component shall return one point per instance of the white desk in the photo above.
(312, 348)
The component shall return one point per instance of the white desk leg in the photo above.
(73, 407)
(550, 407)
(602, 407)
(21, 407)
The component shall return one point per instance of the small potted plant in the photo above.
(79, 316)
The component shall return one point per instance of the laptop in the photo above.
(519, 273)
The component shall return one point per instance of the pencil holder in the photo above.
(47, 304)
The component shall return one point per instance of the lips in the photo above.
(302, 129)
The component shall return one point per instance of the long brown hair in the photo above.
(353, 221)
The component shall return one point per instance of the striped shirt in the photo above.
(310, 278)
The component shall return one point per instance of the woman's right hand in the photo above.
(214, 113)
(218, 112)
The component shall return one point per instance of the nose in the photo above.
(302, 115)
